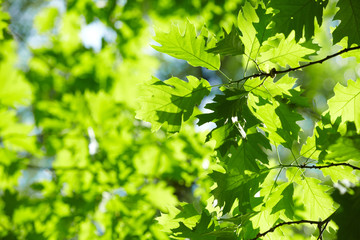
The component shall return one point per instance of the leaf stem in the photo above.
(229, 79)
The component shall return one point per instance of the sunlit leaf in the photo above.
(171, 102)
(346, 103)
(318, 203)
(188, 46)
(283, 52)
(230, 44)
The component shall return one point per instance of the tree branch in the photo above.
(272, 73)
(321, 231)
(322, 166)
(318, 223)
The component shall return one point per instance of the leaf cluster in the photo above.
(257, 192)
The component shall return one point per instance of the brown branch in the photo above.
(265, 74)
(322, 166)
(318, 223)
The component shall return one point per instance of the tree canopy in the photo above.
(192, 120)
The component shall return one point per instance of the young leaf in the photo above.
(309, 150)
(346, 103)
(349, 15)
(230, 44)
(278, 118)
(268, 89)
(188, 46)
(246, 17)
(298, 15)
(171, 102)
(283, 51)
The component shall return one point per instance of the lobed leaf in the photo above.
(171, 102)
(298, 15)
(283, 51)
(318, 203)
(188, 46)
(244, 157)
(230, 44)
(234, 185)
(346, 103)
(246, 17)
(349, 16)
(278, 118)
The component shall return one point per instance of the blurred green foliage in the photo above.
(74, 162)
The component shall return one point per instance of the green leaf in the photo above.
(246, 17)
(278, 118)
(245, 156)
(159, 195)
(349, 15)
(225, 136)
(185, 213)
(288, 118)
(262, 222)
(224, 106)
(340, 173)
(282, 199)
(325, 135)
(298, 15)
(234, 185)
(230, 44)
(188, 46)
(263, 31)
(268, 89)
(171, 102)
(346, 103)
(199, 231)
(309, 150)
(281, 51)
(345, 149)
(318, 203)
(232, 118)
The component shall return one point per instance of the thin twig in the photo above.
(263, 74)
(321, 231)
(319, 223)
(322, 166)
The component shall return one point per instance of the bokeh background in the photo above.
(74, 161)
